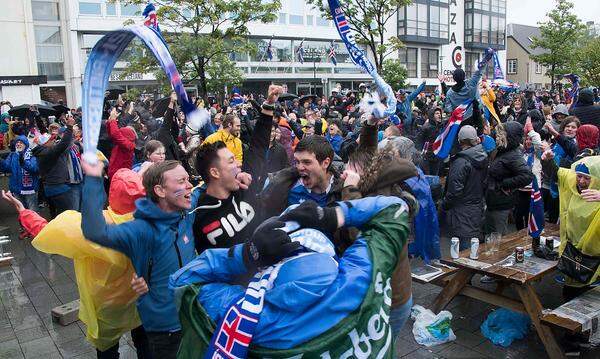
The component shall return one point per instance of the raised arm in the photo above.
(413, 95)
(117, 137)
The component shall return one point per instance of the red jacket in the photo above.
(124, 145)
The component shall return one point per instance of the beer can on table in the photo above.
(454, 248)
(474, 248)
(519, 254)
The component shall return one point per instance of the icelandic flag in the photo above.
(236, 97)
(235, 335)
(332, 54)
(150, 18)
(300, 52)
(270, 50)
(536, 211)
(443, 143)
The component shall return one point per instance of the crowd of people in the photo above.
(207, 206)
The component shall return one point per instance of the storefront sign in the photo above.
(22, 80)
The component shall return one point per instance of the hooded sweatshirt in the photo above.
(123, 151)
(23, 169)
(585, 110)
(158, 244)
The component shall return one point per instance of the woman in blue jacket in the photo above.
(23, 168)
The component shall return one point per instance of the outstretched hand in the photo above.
(10, 198)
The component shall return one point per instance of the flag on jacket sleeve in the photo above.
(444, 141)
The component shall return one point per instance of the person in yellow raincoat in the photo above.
(107, 301)
(579, 216)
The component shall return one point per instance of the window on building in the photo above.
(416, 20)
(429, 63)
(282, 50)
(282, 18)
(511, 66)
(49, 52)
(438, 22)
(89, 8)
(482, 5)
(296, 20)
(310, 20)
(130, 10)
(471, 59)
(538, 68)
(111, 9)
(321, 21)
(45, 11)
(408, 57)
(485, 29)
(499, 6)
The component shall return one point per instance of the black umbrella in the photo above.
(160, 106)
(60, 109)
(21, 111)
(287, 97)
(114, 91)
(307, 97)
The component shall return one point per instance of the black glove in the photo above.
(309, 214)
(22, 158)
(269, 244)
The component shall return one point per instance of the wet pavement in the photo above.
(37, 282)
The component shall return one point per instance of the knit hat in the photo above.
(467, 132)
(459, 75)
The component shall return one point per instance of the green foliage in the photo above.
(369, 19)
(559, 37)
(132, 94)
(394, 73)
(201, 35)
(588, 62)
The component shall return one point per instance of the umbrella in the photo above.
(21, 111)
(114, 91)
(306, 97)
(160, 106)
(60, 109)
(287, 97)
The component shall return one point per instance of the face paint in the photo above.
(180, 192)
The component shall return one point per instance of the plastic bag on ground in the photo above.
(502, 326)
(430, 329)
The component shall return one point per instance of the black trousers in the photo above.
(60, 203)
(551, 205)
(164, 345)
(521, 211)
(140, 341)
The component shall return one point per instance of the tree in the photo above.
(394, 73)
(202, 34)
(368, 19)
(588, 62)
(559, 37)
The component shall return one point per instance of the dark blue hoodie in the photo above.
(24, 172)
(158, 244)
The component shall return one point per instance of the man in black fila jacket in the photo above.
(225, 214)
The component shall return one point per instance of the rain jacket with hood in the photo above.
(457, 95)
(306, 313)
(405, 107)
(585, 110)
(124, 146)
(234, 144)
(579, 219)
(508, 171)
(107, 302)
(23, 169)
(52, 158)
(465, 189)
(158, 244)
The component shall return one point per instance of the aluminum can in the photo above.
(474, 248)
(519, 255)
(454, 248)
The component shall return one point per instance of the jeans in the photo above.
(164, 345)
(29, 201)
(60, 203)
(399, 316)
(140, 341)
(496, 221)
(76, 195)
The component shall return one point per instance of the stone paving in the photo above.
(36, 283)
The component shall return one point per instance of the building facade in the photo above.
(520, 68)
(56, 37)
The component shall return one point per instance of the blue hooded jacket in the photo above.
(406, 108)
(303, 303)
(158, 244)
(468, 91)
(24, 178)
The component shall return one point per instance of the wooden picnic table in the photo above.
(521, 280)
